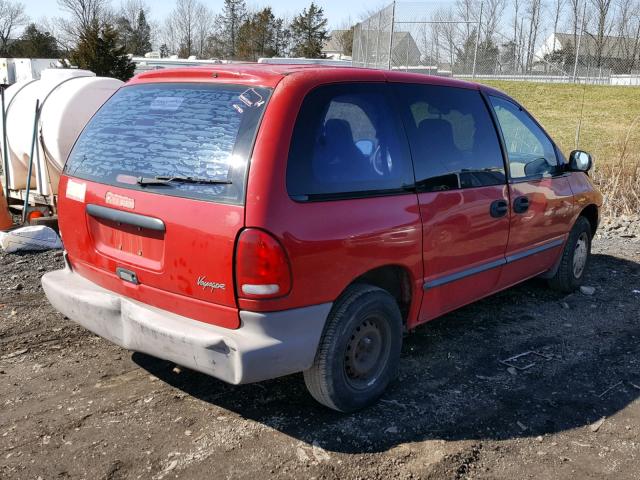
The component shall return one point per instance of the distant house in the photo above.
(371, 48)
(619, 54)
(333, 47)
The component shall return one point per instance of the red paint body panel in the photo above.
(199, 240)
(329, 244)
(584, 193)
(460, 234)
(548, 218)
(332, 243)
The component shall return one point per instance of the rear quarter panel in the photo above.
(329, 243)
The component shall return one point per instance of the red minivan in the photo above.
(252, 221)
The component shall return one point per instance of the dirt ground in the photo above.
(74, 406)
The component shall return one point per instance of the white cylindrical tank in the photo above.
(68, 98)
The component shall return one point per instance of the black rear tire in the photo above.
(575, 258)
(359, 350)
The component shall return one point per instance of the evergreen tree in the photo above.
(257, 36)
(486, 57)
(34, 43)
(141, 35)
(215, 46)
(232, 18)
(98, 50)
(164, 51)
(136, 39)
(309, 32)
(282, 40)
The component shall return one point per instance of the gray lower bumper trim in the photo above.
(267, 345)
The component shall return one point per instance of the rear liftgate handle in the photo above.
(499, 208)
(521, 204)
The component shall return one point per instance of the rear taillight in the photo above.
(262, 266)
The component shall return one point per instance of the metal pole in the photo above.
(361, 58)
(393, 23)
(366, 46)
(475, 50)
(407, 41)
(5, 155)
(25, 209)
(575, 65)
(378, 38)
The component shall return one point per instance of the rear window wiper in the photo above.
(163, 180)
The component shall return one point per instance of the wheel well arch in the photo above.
(590, 212)
(396, 280)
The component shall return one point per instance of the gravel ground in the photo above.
(75, 406)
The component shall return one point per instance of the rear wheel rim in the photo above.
(367, 353)
(580, 255)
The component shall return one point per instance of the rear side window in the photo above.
(205, 132)
(453, 141)
(347, 142)
(530, 151)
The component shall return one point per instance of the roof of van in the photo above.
(269, 75)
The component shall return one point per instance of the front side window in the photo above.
(172, 131)
(453, 141)
(347, 142)
(530, 151)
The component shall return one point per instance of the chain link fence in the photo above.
(469, 40)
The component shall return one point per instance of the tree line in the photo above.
(511, 33)
(97, 37)
(237, 33)
(508, 32)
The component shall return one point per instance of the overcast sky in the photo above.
(335, 10)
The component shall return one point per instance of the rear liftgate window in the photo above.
(187, 140)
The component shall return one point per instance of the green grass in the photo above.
(610, 114)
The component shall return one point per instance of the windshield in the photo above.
(204, 132)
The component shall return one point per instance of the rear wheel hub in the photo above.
(366, 353)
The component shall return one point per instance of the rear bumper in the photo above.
(267, 345)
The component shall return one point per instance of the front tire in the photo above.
(359, 351)
(575, 258)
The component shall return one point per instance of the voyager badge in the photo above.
(204, 283)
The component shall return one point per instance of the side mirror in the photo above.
(580, 161)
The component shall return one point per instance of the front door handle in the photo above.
(521, 205)
(499, 208)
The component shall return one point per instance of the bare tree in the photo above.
(181, 27)
(576, 10)
(204, 26)
(628, 30)
(603, 27)
(535, 7)
(558, 10)
(12, 16)
(521, 44)
(448, 33)
(344, 36)
(83, 14)
(468, 11)
(492, 17)
(516, 34)
(130, 10)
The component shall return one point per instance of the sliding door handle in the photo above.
(499, 208)
(521, 205)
